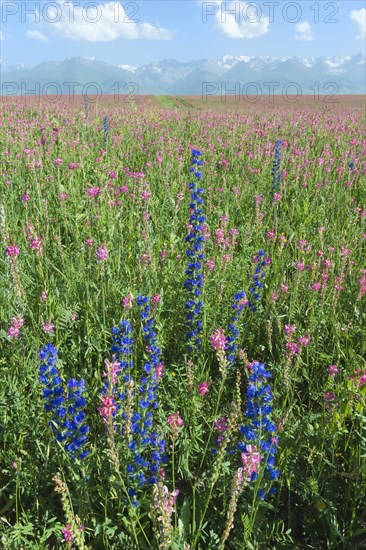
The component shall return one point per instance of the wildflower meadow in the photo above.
(182, 327)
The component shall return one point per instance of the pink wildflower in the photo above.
(48, 327)
(94, 192)
(332, 370)
(250, 460)
(127, 301)
(108, 407)
(102, 253)
(159, 371)
(67, 533)
(112, 369)
(218, 339)
(15, 326)
(203, 388)
(304, 340)
(315, 286)
(12, 250)
(175, 421)
(289, 329)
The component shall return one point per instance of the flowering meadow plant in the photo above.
(226, 406)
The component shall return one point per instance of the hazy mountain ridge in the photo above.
(345, 73)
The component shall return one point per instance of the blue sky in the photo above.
(135, 32)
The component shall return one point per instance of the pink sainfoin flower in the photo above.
(218, 339)
(175, 421)
(94, 192)
(332, 370)
(210, 264)
(203, 388)
(111, 371)
(221, 425)
(15, 326)
(43, 296)
(108, 407)
(300, 266)
(330, 396)
(277, 197)
(12, 250)
(304, 340)
(159, 371)
(67, 533)
(48, 327)
(292, 349)
(315, 286)
(250, 460)
(362, 285)
(89, 242)
(289, 329)
(156, 299)
(102, 253)
(58, 162)
(127, 301)
(35, 242)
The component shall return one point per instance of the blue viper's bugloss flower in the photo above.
(257, 285)
(105, 126)
(259, 429)
(66, 407)
(76, 427)
(195, 239)
(122, 351)
(53, 392)
(276, 168)
(146, 446)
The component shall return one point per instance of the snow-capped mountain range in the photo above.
(346, 74)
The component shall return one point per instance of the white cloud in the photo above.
(303, 32)
(99, 22)
(359, 17)
(241, 20)
(1, 36)
(36, 35)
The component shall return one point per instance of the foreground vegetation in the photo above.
(226, 408)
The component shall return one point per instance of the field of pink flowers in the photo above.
(182, 328)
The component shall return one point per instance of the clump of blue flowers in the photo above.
(276, 168)
(122, 352)
(105, 127)
(261, 261)
(260, 429)
(146, 446)
(194, 282)
(65, 405)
